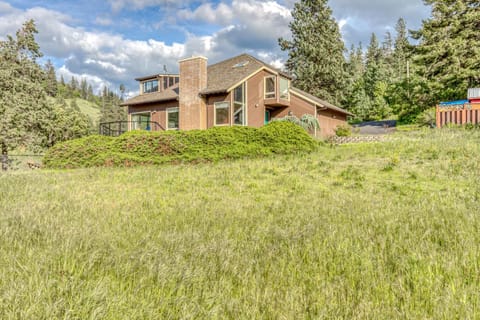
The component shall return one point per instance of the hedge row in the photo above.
(141, 147)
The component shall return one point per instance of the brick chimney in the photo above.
(193, 79)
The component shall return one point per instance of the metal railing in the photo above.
(116, 128)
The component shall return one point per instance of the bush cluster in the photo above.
(144, 148)
(343, 131)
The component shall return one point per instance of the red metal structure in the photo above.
(460, 112)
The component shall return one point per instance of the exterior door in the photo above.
(267, 117)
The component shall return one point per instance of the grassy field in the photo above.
(370, 231)
(86, 107)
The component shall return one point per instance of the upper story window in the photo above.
(239, 102)
(169, 81)
(270, 85)
(284, 90)
(150, 86)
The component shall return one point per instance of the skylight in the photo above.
(241, 64)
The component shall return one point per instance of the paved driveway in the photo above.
(376, 127)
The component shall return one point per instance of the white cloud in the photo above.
(141, 4)
(102, 21)
(251, 26)
(94, 55)
(6, 8)
(111, 59)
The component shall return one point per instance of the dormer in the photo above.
(157, 83)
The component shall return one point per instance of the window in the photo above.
(284, 94)
(270, 85)
(170, 81)
(239, 105)
(172, 119)
(150, 86)
(141, 121)
(222, 111)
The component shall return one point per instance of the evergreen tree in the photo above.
(402, 50)
(83, 88)
(70, 122)
(74, 84)
(315, 53)
(24, 113)
(447, 55)
(51, 86)
(376, 81)
(111, 110)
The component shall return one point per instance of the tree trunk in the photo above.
(4, 157)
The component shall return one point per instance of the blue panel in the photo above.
(454, 103)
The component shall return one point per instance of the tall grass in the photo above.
(370, 231)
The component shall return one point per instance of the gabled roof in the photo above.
(166, 95)
(223, 76)
(317, 101)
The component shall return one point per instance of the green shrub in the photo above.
(141, 147)
(343, 131)
(427, 118)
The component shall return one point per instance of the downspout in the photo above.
(316, 115)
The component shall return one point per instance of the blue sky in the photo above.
(113, 41)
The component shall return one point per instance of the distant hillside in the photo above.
(91, 109)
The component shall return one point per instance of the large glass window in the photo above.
(222, 112)
(150, 86)
(270, 85)
(141, 121)
(284, 89)
(239, 105)
(170, 81)
(172, 119)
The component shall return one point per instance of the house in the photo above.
(239, 91)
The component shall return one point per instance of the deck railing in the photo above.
(116, 128)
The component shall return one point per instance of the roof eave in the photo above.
(126, 103)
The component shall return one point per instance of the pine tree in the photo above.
(51, 86)
(83, 88)
(315, 52)
(402, 50)
(25, 116)
(376, 80)
(447, 55)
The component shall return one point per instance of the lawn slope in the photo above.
(370, 231)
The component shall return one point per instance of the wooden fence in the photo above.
(458, 114)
